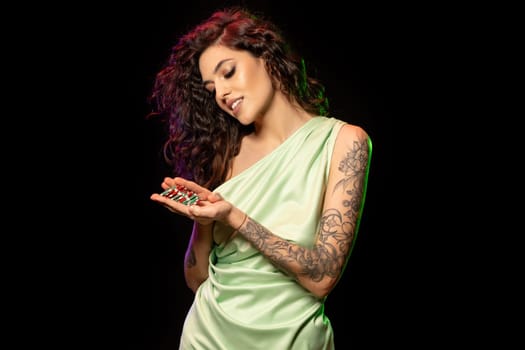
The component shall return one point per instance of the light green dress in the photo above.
(247, 303)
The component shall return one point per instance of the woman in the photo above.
(280, 185)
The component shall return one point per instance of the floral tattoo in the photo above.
(337, 231)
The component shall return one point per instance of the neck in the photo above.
(281, 120)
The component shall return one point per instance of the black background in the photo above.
(355, 54)
(110, 268)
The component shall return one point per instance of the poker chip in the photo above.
(181, 194)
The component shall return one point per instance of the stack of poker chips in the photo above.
(181, 194)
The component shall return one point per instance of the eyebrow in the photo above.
(217, 67)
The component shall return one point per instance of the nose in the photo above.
(222, 90)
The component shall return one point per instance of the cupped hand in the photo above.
(210, 207)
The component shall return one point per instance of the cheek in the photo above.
(264, 84)
(257, 78)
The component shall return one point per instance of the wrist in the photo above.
(237, 219)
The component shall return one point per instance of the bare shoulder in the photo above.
(350, 160)
(353, 137)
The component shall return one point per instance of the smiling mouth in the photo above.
(235, 104)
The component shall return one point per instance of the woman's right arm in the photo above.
(196, 259)
(201, 240)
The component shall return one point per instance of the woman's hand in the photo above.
(210, 207)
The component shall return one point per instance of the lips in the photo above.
(233, 101)
(235, 104)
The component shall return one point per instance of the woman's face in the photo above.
(239, 81)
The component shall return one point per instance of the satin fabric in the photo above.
(247, 303)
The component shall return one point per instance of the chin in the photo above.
(243, 121)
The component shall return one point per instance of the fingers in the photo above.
(167, 183)
(214, 197)
(193, 212)
(187, 183)
(172, 205)
(172, 181)
(197, 210)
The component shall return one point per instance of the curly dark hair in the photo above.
(203, 139)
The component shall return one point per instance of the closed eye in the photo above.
(230, 73)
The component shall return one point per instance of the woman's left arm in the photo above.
(320, 267)
(342, 210)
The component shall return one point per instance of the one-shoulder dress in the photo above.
(247, 303)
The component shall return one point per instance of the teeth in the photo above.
(235, 104)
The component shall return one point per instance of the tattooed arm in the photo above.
(319, 268)
(316, 268)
